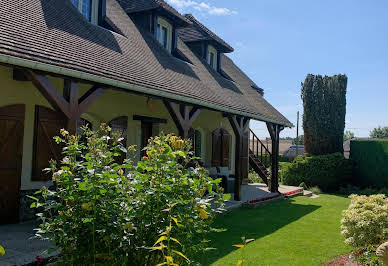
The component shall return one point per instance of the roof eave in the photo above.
(36, 65)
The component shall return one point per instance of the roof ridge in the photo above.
(210, 33)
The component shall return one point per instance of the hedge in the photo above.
(328, 172)
(371, 162)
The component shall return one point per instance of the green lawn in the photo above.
(298, 231)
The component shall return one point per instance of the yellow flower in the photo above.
(203, 214)
(87, 206)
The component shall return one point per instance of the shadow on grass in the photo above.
(252, 223)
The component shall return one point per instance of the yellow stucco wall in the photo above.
(113, 104)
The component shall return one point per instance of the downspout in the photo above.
(12, 60)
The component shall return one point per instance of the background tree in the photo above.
(298, 141)
(379, 133)
(348, 135)
(324, 103)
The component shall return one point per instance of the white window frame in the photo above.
(212, 50)
(162, 23)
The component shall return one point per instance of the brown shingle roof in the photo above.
(55, 33)
(133, 6)
(198, 32)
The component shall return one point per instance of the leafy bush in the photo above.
(370, 158)
(379, 133)
(349, 189)
(315, 190)
(103, 212)
(328, 172)
(364, 223)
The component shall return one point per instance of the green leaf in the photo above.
(2, 250)
(162, 238)
(33, 205)
(31, 197)
(226, 196)
(87, 220)
(175, 220)
(176, 240)
(181, 254)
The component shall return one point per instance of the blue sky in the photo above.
(278, 42)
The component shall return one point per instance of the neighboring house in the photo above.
(139, 66)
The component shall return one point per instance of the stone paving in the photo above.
(20, 246)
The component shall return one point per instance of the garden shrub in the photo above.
(364, 223)
(370, 157)
(350, 189)
(324, 105)
(103, 212)
(328, 172)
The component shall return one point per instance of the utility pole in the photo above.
(297, 133)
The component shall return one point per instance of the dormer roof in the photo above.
(137, 6)
(198, 32)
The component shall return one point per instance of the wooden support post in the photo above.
(68, 104)
(240, 128)
(183, 117)
(274, 132)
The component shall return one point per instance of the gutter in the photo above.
(21, 62)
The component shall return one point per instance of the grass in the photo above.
(298, 231)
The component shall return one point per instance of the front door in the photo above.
(146, 134)
(11, 151)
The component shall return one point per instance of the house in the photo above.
(138, 65)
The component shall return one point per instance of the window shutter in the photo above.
(244, 158)
(48, 124)
(226, 139)
(198, 143)
(216, 148)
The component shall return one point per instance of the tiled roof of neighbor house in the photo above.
(198, 32)
(53, 32)
(133, 6)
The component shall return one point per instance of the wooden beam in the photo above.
(183, 117)
(274, 131)
(49, 92)
(19, 74)
(68, 104)
(240, 126)
(92, 95)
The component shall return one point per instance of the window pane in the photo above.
(158, 32)
(87, 9)
(164, 34)
(212, 59)
(75, 3)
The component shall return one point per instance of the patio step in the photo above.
(294, 193)
(262, 201)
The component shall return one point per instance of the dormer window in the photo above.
(88, 8)
(212, 56)
(163, 33)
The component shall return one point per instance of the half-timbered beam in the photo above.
(68, 104)
(183, 117)
(49, 92)
(240, 128)
(274, 132)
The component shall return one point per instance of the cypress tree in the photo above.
(324, 104)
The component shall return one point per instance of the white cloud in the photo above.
(203, 7)
(221, 11)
